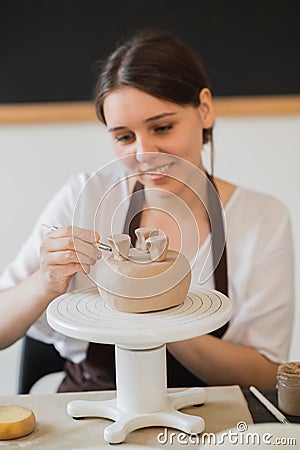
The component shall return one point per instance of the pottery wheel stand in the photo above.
(140, 341)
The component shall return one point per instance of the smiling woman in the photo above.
(154, 97)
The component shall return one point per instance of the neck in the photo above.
(178, 202)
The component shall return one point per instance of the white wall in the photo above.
(261, 153)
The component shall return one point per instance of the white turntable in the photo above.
(140, 341)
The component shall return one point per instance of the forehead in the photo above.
(127, 104)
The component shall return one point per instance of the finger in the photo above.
(85, 268)
(66, 257)
(59, 272)
(69, 243)
(76, 232)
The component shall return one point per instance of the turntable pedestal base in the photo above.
(142, 399)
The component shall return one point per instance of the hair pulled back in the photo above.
(158, 64)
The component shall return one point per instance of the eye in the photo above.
(124, 138)
(163, 128)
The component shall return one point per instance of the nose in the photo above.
(145, 150)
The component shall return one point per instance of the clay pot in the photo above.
(140, 284)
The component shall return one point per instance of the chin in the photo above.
(167, 186)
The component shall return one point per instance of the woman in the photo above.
(154, 98)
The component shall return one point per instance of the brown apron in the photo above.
(97, 371)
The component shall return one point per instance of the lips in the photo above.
(158, 170)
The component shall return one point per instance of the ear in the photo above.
(206, 108)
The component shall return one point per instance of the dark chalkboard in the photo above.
(49, 50)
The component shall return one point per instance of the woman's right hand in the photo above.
(65, 252)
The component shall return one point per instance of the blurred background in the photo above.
(49, 56)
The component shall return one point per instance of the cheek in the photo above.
(118, 152)
(187, 148)
(127, 157)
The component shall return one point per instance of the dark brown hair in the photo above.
(158, 64)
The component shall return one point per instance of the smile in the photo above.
(161, 170)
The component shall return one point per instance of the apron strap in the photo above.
(218, 239)
(134, 213)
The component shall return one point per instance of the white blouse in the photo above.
(259, 258)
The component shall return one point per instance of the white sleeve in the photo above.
(58, 212)
(264, 315)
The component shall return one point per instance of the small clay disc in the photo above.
(16, 422)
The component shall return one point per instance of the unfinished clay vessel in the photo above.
(149, 277)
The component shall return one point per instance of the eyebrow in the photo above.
(150, 119)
